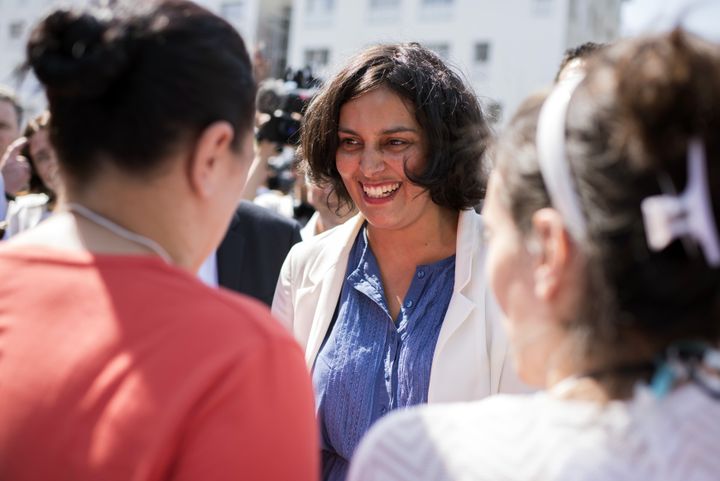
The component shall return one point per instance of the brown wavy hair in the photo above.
(446, 109)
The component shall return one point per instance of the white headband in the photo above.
(554, 167)
(668, 216)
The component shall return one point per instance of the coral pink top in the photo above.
(125, 368)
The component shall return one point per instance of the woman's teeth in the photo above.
(379, 192)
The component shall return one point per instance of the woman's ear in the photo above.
(552, 246)
(211, 149)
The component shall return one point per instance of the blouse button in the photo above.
(409, 304)
(420, 274)
(383, 410)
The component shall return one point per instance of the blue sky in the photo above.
(700, 16)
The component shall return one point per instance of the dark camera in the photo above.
(282, 128)
(285, 109)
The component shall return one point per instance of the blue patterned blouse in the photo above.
(369, 364)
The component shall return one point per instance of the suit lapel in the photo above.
(231, 256)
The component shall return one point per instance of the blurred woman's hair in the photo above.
(134, 87)
(36, 184)
(453, 126)
(628, 126)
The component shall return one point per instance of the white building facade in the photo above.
(505, 48)
(17, 19)
(264, 25)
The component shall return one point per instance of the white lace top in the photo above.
(540, 437)
(25, 212)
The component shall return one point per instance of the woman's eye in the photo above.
(349, 142)
(397, 142)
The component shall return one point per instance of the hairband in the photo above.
(554, 167)
(666, 217)
(669, 216)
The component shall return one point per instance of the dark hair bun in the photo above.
(77, 54)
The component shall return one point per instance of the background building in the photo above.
(264, 25)
(17, 18)
(505, 48)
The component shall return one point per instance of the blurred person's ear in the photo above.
(550, 247)
(213, 149)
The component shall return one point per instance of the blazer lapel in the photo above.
(330, 277)
(460, 305)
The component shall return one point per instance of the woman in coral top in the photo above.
(115, 362)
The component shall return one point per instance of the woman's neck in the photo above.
(601, 382)
(423, 243)
(141, 209)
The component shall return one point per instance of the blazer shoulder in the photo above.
(317, 254)
(253, 214)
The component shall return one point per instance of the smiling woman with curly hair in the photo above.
(392, 306)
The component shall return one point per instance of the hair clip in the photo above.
(663, 380)
(689, 215)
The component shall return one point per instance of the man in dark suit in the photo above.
(253, 251)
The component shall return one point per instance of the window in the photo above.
(320, 6)
(436, 10)
(442, 49)
(573, 10)
(383, 11)
(16, 29)
(482, 52)
(317, 58)
(544, 7)
(233, 12)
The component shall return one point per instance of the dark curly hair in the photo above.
(447, 110)
(629, 124)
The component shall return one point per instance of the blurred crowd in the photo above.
(206, 278)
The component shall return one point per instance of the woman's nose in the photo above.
(371, 162)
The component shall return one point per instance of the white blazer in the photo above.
(471, 355)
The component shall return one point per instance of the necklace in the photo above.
(118, 230)
(683, 361)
